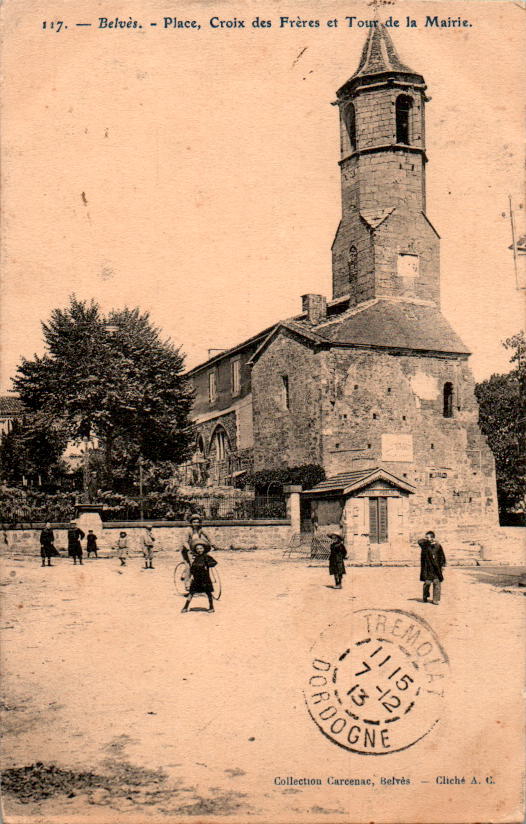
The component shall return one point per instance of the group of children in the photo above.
(197, 546)
(147, 543)
(75, 536)
(195, 552)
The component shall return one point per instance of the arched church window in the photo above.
(352, 264)
(220, 446)
(404, 104)
(448, 400)
(350, 124)
(200, 445)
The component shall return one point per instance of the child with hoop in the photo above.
(200, 580)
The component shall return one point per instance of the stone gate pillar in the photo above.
(293, 506)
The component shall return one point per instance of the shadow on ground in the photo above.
(120, 783)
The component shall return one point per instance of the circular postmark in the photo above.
(376, 681)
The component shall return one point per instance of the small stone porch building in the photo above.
(374, 385)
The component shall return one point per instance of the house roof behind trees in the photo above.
(10, 405)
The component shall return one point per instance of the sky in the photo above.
(194, 173)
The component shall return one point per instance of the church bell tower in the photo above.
(385, 245)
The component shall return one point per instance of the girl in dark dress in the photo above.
(75, 536)
(200, 580)
(336, 560)
(91, 543)
(47, 545)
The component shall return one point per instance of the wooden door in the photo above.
(378, 525)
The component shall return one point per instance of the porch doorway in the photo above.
(324, 513)
(378, 521)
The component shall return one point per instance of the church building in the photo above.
(373, 385)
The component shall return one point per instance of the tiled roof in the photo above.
(10, 405)
(379, 54)
(351, 481)
(378, 57)
(394, 324)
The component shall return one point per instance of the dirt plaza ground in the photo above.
(118, 707)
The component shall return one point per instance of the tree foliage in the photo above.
(272, 480)
(124, 386)
(32, 450)
(502, 420)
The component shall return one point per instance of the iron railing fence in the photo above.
(11, 517)
(210, 507)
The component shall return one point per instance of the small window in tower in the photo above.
(350, 125)
(352, 264)
(448, 400)
(407, 265)
(285, 393)
(404, 104)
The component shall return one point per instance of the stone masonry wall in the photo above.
(352, 231)
(370, 394)
(405, 232)
(286, 437)
(376, 117)
(169, 538)
(402, 231)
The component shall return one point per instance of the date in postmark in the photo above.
(377, 681)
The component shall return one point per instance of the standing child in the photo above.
(336, 560)
(148, 542)
(200, 580)
(91, 543)
(122, 548)
(47, 544)
(194, 534)
(75, 535)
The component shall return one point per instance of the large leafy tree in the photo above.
(113, 378)
(502, 419)
(32, 451)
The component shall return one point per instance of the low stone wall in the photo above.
(264, 534)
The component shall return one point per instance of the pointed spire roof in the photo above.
(379, 57)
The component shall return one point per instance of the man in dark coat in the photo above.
(432, 560)
(75, 536)
(47, 544)
(337, 556)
